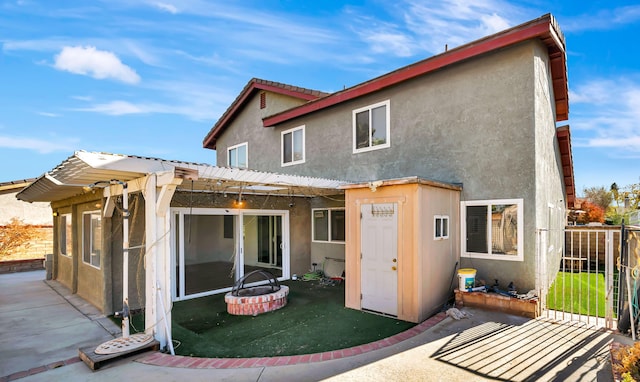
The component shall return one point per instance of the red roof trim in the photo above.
(563, 135)
(543, 27)
(255, 84)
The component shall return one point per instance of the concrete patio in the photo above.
(42, 326)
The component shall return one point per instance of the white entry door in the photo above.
(379, 243)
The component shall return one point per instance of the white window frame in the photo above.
(443, 222)
(65, 224)
(235, 148)
(178, 244)
(282, 135)
(520, 230)
(313, 225)
(387, 144)
(94, 215)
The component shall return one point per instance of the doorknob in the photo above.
(393, 268)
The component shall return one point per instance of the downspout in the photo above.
(125, 261)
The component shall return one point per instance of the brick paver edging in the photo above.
(168, 360)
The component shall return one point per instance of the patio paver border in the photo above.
(168, 360)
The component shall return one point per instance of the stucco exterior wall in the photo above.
(424, 265)
(299, 218)
(321, 251)
(37, 216)
(90, 280)
(437, 257)
(474, 123)
(65, 266)
(550, 192)
(37, 213)
(247, 127)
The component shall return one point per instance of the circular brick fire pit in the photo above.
(256, 300)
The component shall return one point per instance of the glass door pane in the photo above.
(263, 244)
(209, 253)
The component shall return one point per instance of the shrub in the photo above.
(628, 358)
(15, 235)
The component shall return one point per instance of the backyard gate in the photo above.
(585, 288)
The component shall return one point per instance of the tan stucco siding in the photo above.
(438, 257)
(424, 265)
(90, 280)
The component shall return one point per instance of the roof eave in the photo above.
(254, 84)
(544, 28)
(563, 135)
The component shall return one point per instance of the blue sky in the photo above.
(150, 78)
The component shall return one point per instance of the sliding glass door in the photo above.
(263, 246)
(213, 248)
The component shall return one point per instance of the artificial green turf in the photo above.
(314, 320)
(580, 293)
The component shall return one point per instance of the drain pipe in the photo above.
(164, 315)
(125, 259)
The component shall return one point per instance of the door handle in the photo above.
(393, 268)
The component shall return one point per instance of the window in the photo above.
(371, 127)
(328, 225)
(441, 230)
(493, 229)
(64, 238)
(293, 146)
(91, 238)
(237, 156)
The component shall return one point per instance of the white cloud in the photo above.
(116, 108)
(390, 41)
(96, 63)
(602, 20)
(605, 114)
(39, 145)
(430, 26)
(46, 114)
(167, 7)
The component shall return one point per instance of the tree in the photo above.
(14, 235)
(632, 192)
(599, 196)
(614, 193)
(592, 213)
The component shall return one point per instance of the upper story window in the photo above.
(64, 229)
(293, 146)
(237, 156)
(91, 238)
(371, 127)
(328, 224)
(493, 229)
(441, 227)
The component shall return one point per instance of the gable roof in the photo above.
(544, 28)
(256, 84)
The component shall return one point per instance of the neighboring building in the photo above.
(36, 215)
(452, 162)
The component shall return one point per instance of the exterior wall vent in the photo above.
(263, 100)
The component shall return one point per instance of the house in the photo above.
(37, 216)
(454, 161)
(482, 117)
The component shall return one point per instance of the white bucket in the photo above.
(467, 278)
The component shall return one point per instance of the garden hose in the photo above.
(316, 275)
